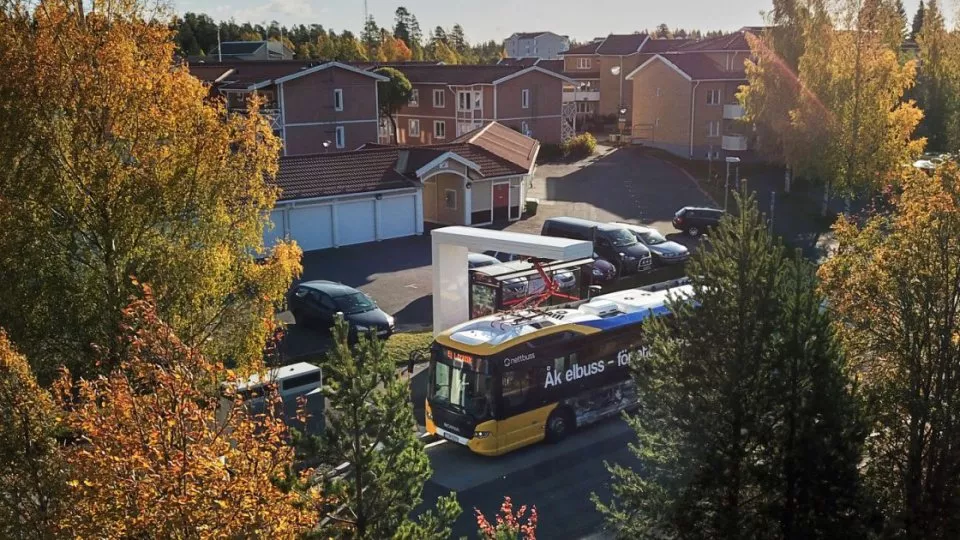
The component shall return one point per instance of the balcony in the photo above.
(581, 95)
(274, 117)
(734, 143)
(733, 112)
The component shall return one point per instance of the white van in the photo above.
(291, 382)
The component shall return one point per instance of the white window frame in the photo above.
(341, 137)
(711, 132)
(658, 92)
(468, 100)
(713, 96)
(338, 99)
(524, 127)
(442, 102)
(411, 124)
(414, 98)
(436, 134)
(445, 203)
(584, 63)
(525, 98)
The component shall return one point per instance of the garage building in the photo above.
(382, 192)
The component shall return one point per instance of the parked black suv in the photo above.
(612, 242)
(694, 220)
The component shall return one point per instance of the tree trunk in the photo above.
(396, 134)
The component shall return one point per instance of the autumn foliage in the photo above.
(154, 458)
(509, 525)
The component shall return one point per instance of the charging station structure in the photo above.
(451, 283)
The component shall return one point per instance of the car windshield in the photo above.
(620, 237)
(457, 386)
(354, 303)
(652, 238)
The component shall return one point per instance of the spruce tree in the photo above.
(745, 428)
(370, 436)
(917, 21)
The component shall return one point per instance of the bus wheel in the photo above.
(559, 425)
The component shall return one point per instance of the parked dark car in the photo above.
(315, 303)
(611, 242)
(665, 252)
(479, 260)
(695, 220)
(601, 271)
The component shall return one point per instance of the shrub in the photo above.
(399, 346)
(550, 152)
(580, 146)
(509, 525)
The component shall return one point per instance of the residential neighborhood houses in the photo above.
(291, 281)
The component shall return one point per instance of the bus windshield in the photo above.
(457, 386)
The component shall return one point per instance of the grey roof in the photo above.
(239, 47)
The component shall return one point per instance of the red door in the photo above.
(501, 201)
(501, 195)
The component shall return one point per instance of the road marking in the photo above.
(434, 443)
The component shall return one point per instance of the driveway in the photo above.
(616, 185)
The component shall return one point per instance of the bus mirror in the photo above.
(594, 290)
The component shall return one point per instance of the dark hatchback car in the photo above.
(695, 220)
(316, 303)
(612, 242)
(665, 252)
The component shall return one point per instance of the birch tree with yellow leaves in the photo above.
(115, 163)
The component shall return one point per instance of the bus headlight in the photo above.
(429, 415)
(481, 434)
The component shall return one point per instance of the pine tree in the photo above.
(371, 427)
(917, 21)
(745, 429)
(458, 41)
(902, 19)
(937, 85)
(401, 27)
(370, 37)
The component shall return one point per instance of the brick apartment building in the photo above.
(315, 107)
(450, 101)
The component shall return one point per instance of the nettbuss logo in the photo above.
(507, 362)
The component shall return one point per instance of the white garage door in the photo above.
(274, 232)
(398, 216)
(312, 227)
(356, 223)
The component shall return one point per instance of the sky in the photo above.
(483, 20)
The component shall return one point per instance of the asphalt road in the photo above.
(558, 479)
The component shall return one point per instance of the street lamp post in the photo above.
(726, 183)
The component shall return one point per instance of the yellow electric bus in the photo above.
(508, 380)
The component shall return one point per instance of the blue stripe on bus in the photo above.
(624, 320)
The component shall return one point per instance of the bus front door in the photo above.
(521, 421)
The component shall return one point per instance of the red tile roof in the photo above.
(663, 45)
(621, 44)
(339, 173)
(253, 71)
(699, 66)
(736, 41)
(496, 149)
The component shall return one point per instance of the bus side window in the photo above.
(516, 386)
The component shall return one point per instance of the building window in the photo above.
(413, 127)
(439, 129)
(414, 98)
(464, 101)
(658, 92)
(713, 97)
(525, 128)
(384, 129)
(338, 100)
(584, 107)
(450, 199)
(525, 98)
(713, 128)
(341, 137)
(656, 123)
(439, 99)
(583, 63)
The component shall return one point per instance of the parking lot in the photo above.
(624, 185)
